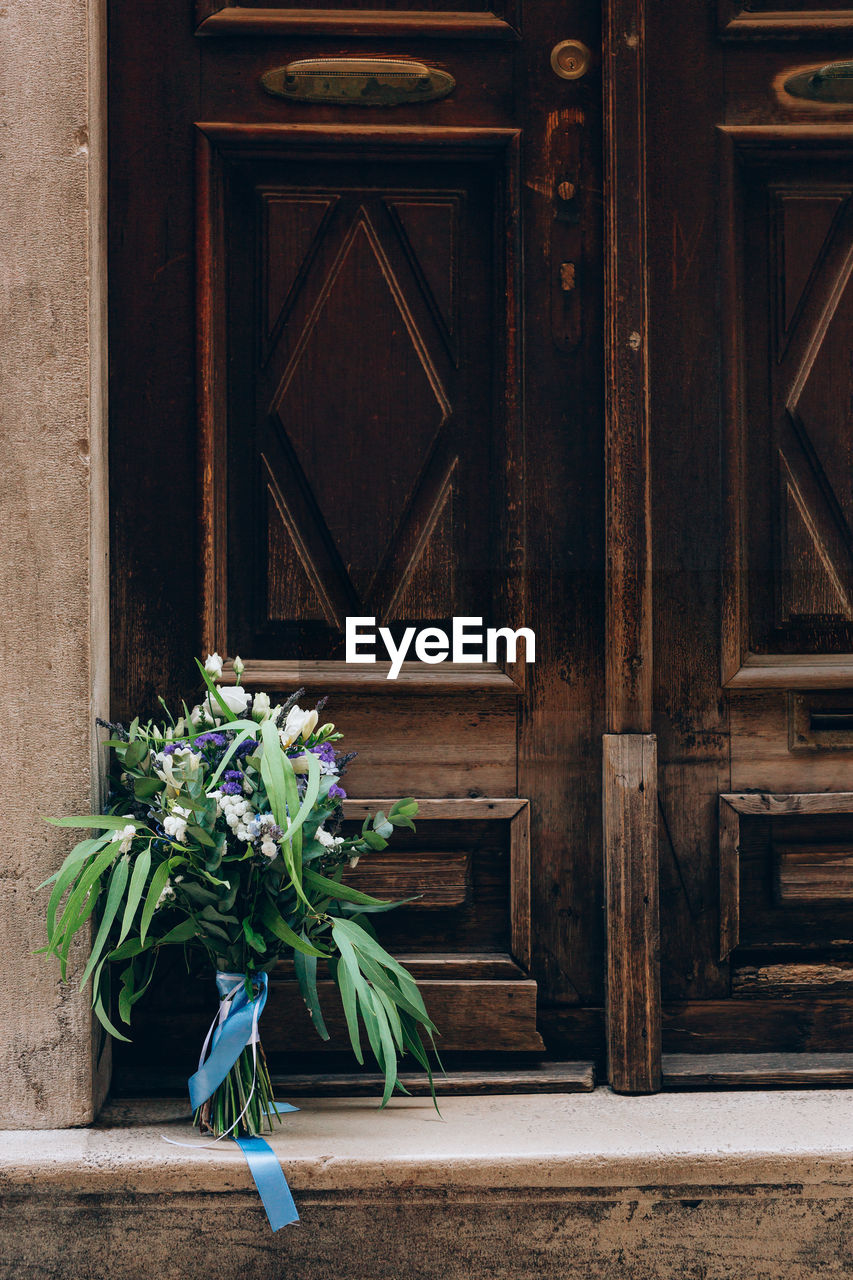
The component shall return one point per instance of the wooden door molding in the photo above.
(759, 805)
(215, 19)
(746, 150)
(222, 143)
(512, 810)
(759, 23)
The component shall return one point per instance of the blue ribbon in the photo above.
(234, 1032)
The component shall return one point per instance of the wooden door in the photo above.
(356, 369)
(750, 306)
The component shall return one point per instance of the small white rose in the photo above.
(261, 707)
(213, 665)
(235, 698)
(327, 840)
(298, 723)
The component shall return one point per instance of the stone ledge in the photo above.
(508, 1143)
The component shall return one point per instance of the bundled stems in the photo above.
(219, 1114)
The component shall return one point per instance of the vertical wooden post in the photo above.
(631, 900)
(630, 753)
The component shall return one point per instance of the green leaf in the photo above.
(71, 919)
(78, 854)
(226, 710)
(346, 986)
(101, 1013)
(144, 788)
(141, 867)
(125, 998)
(401, 813)
(254, 939)
(306, 975)
(280, 782)
(199, 834)
(382, 826)
(388, 1059)
(158, 883)
(67, 873)
(181, 933)
(362, 941)
(343, 892)
(103, 822)
(135, 753)
(115, 893)
(269, 917)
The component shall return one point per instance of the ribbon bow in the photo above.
(235, 1027)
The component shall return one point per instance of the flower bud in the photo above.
(239, 666)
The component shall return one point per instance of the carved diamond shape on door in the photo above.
(378, 399)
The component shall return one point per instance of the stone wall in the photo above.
(53, 645)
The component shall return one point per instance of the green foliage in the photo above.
(243, 873)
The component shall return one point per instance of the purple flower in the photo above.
(233, 784)
(169, 748)
(336, 792)
(325, 752)
(245, 748)
(210, 740)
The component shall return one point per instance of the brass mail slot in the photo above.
(820, 720)
(832, 83)
(358, 82)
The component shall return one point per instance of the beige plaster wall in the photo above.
(53, 649)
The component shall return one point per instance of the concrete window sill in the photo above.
(523, 1142)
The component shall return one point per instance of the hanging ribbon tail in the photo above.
(270, 1181)
(232, 1031)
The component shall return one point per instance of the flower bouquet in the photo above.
(220, 837)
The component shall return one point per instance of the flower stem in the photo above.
(219, 1114)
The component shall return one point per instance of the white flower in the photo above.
(239, 666)
(327, 840)
(213, 665)
(297, 722)
(236, 811)
(261, 706)
(354, 861)
(175, 825)
(125, 836)
(177, 766)
(166, 894)
(269, 849)
(235, 697)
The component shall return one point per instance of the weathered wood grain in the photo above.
(628, 657)
(631, 900)
(756, 1070)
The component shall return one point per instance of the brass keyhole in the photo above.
(570, 59)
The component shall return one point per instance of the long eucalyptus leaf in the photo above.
(158, 884)
(342, 892)
(306, 975)
(346, 986)
(115, 893)
(269, 917)
(141, 867)
(103, 821)
(70, 920)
